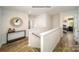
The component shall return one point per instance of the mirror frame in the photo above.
(13, 24)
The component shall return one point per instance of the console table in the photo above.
(13, 36)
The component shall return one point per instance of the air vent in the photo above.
(41, 6)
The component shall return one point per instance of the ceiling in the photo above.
(35, 10)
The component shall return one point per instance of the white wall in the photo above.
(55, 21)
(49, 21)
(42, 20)
(0, 26)
(32, 18)
(7, 15)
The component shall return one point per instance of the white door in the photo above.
(0, 26)
(0, 31)
(76, 25)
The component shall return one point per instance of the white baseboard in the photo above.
(2, 44)
(29, 45)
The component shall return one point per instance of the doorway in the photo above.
(68, 33)
(68, 24)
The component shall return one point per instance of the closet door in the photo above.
(0, 26)
(0, 32)
(76, 25)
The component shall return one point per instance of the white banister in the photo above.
(50, 39)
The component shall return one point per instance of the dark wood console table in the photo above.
(13, 36)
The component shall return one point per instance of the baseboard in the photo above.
(0, 45)
(29, 45)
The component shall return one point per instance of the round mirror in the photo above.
(16, 21)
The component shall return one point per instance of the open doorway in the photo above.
(68, 25)
(68, 33)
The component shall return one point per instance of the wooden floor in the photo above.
(18, 46)
(66, 44)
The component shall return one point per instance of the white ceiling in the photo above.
(62, 9)
(37, 11)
